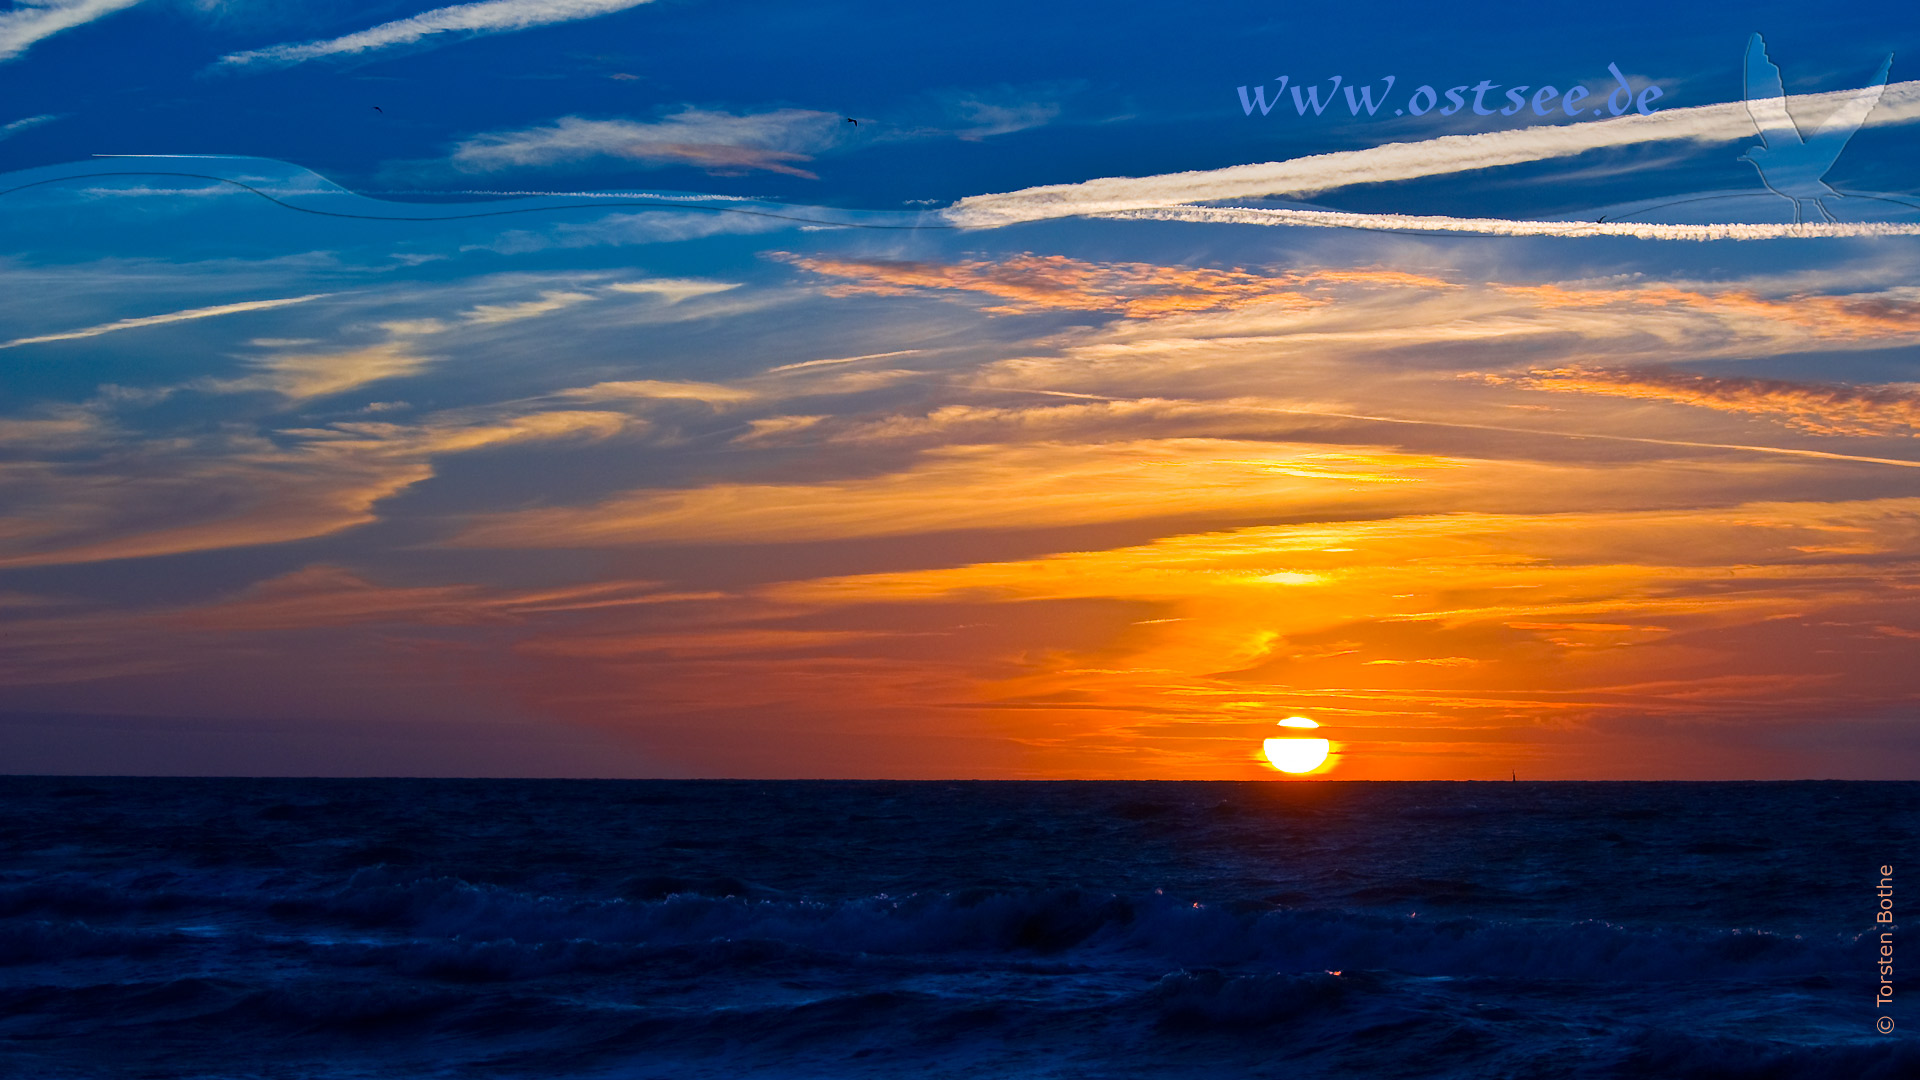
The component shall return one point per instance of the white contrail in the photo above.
(489, 15)
(8, 131)
(158, 320)
(26, 24)
(1727, 122)
(1334, 219)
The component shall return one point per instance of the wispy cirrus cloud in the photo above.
(323, 595)
(67, 426)
(300, 375)
(550, 301)
(160, 320)
(33, 20)
(489, 16)
(976, 487)
(986, 118)
(719, 142)
(617, 230)
(659, 390)
(243, 489)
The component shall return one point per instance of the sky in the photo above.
(569, 388)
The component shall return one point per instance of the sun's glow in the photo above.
(1299, 722)
(1297, 755)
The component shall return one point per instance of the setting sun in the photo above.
(1294, 754)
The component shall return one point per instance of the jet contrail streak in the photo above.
(1335, 219)
(1445, 155)
(161, 320)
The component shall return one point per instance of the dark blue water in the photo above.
(401, 928)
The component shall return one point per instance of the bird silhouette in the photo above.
(380, 110)
(852, 121)
(1792, 164)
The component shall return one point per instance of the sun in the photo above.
(1297, 755)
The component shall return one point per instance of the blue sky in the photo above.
(1001, 97)
(1061, 418)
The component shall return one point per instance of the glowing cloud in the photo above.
(1142, 290)
(974, 487)
(659, 389)
(1819, 408)
(1889, 313)
(718, 142)
(318, 374)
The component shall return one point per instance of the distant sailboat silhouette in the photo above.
(1790, 164)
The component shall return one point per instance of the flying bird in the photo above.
(852, 121)
(380, 110)
(1792, 164)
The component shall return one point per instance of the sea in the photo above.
(352, 928)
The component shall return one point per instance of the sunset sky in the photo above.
(756, 443)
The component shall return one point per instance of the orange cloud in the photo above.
(1030, 282)
(1819, 408)
(312, 375)
(1892, 313)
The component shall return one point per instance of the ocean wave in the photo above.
(310, 929)
(41, 941)
(435, 924)
(1677, 1055)
(1054, 921)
